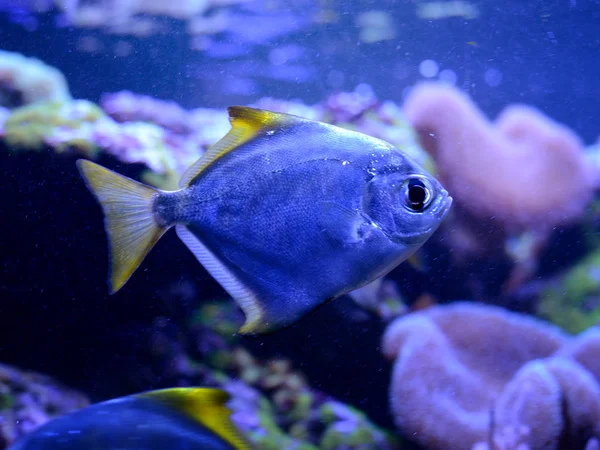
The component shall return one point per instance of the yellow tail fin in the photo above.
(128, 219)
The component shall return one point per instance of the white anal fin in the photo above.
(244, 297)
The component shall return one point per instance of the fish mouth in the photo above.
(439, 210)
(442, 205)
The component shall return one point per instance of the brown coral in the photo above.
(473, 376)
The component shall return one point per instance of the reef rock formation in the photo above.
(26, 80)
(474, 376)
(28, 400)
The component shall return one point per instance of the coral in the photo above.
(125, 106)
(81, 126)
(572, 300)
(254, 415)
(584, 348)
(296, 409)
(160, 134)
(495, 216)
(358, 110)
(28, 400)
(480, 161)
(469, 375)
(344, 107)
(59, 124)
(273, 402)
(347, 427)
(549, 404)
(28, 80)
(220, 318)
(181, 135)
(168, 139)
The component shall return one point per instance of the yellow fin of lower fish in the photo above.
(205, 406)
(128, 219)
(246, 123)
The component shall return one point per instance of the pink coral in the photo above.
(525, 169)
(474, 376)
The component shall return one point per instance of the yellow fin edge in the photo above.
(128, 219)
(246, 123)
(254, 313)
(205, 406)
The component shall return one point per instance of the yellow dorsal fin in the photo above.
(246, 123)
(205, 406)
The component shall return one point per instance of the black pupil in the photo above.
(417, 193)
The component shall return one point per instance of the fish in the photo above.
(286, 213)
(194, 418)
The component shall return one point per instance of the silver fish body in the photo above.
(299, 212)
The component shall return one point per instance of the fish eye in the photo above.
(417, 193)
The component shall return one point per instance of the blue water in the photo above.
(545, 50)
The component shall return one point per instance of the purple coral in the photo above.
(125, 106)
(469, 375)
(347, 106)
(28, 399)
(479, 161)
